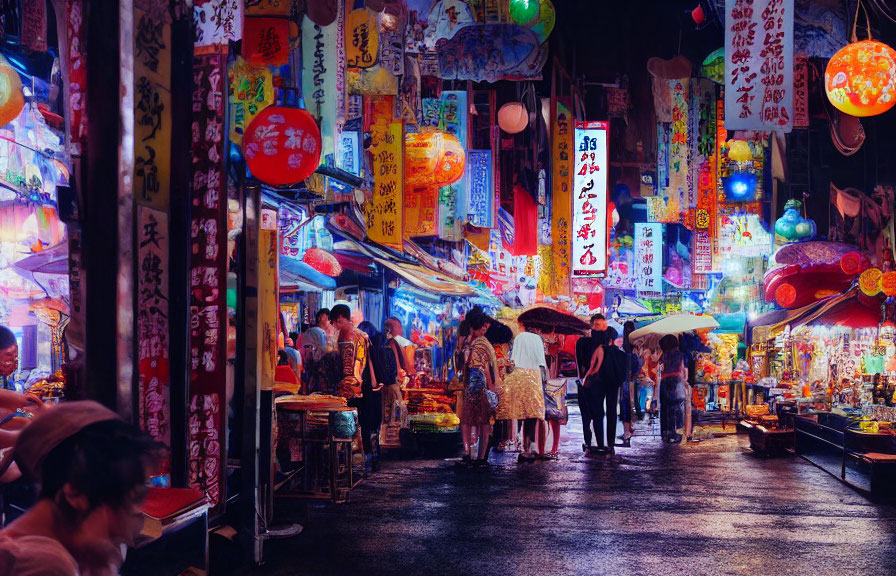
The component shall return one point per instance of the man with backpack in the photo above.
(602, 382)
(585, 347)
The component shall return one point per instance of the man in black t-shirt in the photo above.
(585, 348)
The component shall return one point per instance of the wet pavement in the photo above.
(654, 509)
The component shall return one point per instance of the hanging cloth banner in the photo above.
(77, 74)
(482, 190)
(362, 39)
(679, 150)
(420, 210)
(268, 295)
(648, 257)
(703, 169)
(152, 103)
(320, 86)
(384, 210)
(154, 400)
(801, 91)
(525, 219)
(590, 198)
(207, 409)
(759, 65)
(561, 197)
(251, 90)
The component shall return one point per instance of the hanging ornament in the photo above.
(11, 99)
(513, 117)
(524, 12)
(870, 282)
(282, 146)
(546, 19)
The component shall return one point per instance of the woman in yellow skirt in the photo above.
(521, 397)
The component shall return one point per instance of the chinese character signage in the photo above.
(77, 74)
(482, 193)
(384, 211)
(362, 39)
(648, 257)
(348, 152)
(320, 84)
(152, 324)
(152, 103)
(589, 199)
(561, 200)
(759, 64)
(208, 281)
(266, 41)
(217, 22)
(453, 199)
(801, 91)
(678, 144)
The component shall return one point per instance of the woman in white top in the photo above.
(522, 395)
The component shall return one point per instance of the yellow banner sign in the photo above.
(384, 211)
(561, 204)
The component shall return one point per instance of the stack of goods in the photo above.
(311, 402)
(433, 412)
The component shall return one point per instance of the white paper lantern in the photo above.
(513, 117)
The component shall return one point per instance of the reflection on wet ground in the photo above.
(707, 508)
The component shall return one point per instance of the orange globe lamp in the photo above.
(433, 159)
(860, 79)
(888, 283)
(513, 117)
(870, 282)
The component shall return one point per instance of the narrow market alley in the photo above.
(706, 508)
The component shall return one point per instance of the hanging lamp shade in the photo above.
(524, 12)
(11, 99)
(322, 261)
(860, 79)
(282, 146)
(513, 117)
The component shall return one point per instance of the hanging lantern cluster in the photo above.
(433, 159)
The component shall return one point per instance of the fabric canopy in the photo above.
(676, 324)
(427, 279)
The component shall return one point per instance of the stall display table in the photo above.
(864, 460)
(323, 450)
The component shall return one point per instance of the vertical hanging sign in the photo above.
(801, 91)
(679, 192)
(207, 409)
(77, 74)
(561, 197)
(648, 257)
(152, 103)
(482, 192)
(759, 64)
(453, 199)
(152, 324)
(589, 199)
(320, 82)
(268, 295)
(217, 22)
(384, 211)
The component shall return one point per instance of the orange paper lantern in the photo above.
(888, 283)
(860, 79)
(870, 282)
(851, 263)
(11, 98)
(433, 159)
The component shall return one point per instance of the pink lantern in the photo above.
(323, 262)
(282, 146)
(513, 117)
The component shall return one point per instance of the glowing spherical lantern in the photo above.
(785, 295)
(323, 262)
(852, 262)
(513, 117)
(860, 79)
(433, 159)
(282, 146)
(888, 283)
(546, 19)
(739, 151)
(11, 99)
(524, 12)
(870, 282)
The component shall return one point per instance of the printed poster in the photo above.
(648, 257)
(759, 65)
(482, 192)
(589, 201)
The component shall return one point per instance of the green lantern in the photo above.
(524, 12)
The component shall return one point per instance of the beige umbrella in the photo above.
(676, 324)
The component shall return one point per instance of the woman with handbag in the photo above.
(522, 395)
(555, 416)
(481, 377)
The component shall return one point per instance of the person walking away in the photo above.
(92, 468)
(393, 397)
(522, 395)
(585, 347)
(385, 370)
(603, 381)
(628, 392)
(480, 375)
(672, 390)
(357, 370)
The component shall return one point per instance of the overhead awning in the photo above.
(295, 275)
(427, 279)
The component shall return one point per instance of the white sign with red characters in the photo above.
(589, 200)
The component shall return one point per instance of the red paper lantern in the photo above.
(851, 263)
(785, 295)
(860, 78)
(323, 262)
(282, 146)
